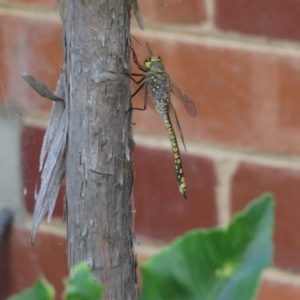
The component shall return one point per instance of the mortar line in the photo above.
(37, 13)
(210, 12)
(217, 152)
(224, 40)
(225, 169)
(282, 276)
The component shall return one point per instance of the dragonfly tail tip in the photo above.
(184, 195)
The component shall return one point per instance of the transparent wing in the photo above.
(174, 115)
(184, 99)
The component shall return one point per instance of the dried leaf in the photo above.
(40, 87)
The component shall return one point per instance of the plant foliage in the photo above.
(218, 264)
(79, 286)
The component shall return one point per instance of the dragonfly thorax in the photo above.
(159, 86)
(154, 64)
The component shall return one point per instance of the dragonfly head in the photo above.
(154, 64)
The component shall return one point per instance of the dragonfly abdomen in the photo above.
(160, 88)
(177, 157)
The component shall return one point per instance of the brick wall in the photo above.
(240, 62)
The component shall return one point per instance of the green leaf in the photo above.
(82, 286)
(41, 290)
(214, 264)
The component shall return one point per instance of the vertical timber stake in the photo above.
(98, 152)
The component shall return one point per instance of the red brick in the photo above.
(289, 92)
(25, 263)
(275, 19)
(31, 143)
(162, 212)
(244, 97)
(31, 46)
(39, 3)
(250, 181)
(271, 290)
(169, 11)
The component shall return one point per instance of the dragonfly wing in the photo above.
(184, 99)
(173, 112)
(145, 95)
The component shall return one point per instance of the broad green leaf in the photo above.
(41, 290)
(81, 285)
(214, 264)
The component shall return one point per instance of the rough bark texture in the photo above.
(98, 156)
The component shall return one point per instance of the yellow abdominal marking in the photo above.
(177, 159)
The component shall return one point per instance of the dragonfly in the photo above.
(156, 80)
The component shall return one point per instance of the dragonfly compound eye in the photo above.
(148, 62)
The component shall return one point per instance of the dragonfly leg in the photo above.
(134, 74)
(138, 81)
(137, 74)
(141, 67)
(140, 87)
(145, 97)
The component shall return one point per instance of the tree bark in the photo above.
(98, 157)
